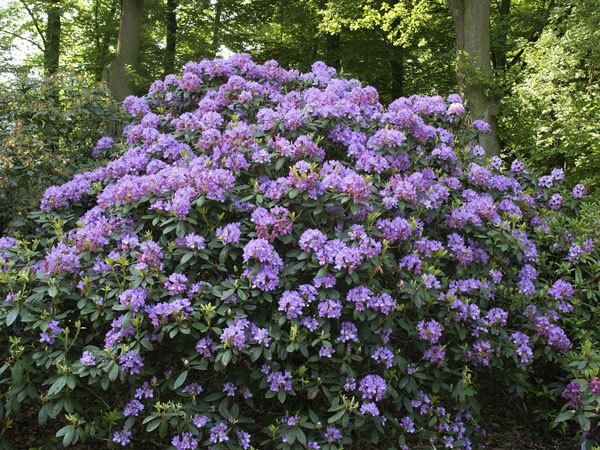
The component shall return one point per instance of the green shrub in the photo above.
(277, 260)
(48, 128)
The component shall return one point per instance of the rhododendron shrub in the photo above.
(276, 260)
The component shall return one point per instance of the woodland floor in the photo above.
(509, 427)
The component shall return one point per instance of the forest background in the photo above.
(529, 67)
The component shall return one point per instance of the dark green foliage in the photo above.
(48, 129)
(551, 119)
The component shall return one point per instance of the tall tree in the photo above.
(216, 27)
(171, 47)
(52, 37)
(474, 66)
(119, 72)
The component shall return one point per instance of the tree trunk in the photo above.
(397, 71)
(474, 68)
(332, 50)
(171, 48)
(52, 39)
(216, 29)
(118, 73)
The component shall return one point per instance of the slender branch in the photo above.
(35, 21)
(18, 36)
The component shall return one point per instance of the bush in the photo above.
(48, 128)
(278, 261)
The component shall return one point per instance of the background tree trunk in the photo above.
(332, 50)
(216, 28)
(52, 38)
(171, 48)
(474, 68)
(118, 73)
(397, 71)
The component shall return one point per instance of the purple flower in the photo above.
(481, 125)
(430, 331)
(218, 433)
(523, 350)
(133, 408)
(260, 336)
(269, 264)
(243, 439)
(561, 289)
(150, 256)
(496, 317)
(7, 242)
(184, 441)
(131, 362)
(291, 421)
(555, 202)
(229, 234)
(200, 421)
(88, 359)
(407, 424)
(133, 299)
(280, 380)
(482, 353)
(52, 330)
(144, 392)
(60, 259)
(330, 309)
(436, 355)
(229, 389)
(573, 394)
(192, 241)
(122, 437)
(578, 191)
(496, 275)
(291, 303)
(384, 355)
(595, 385)
(348, 332)
(372, 387)
(310, 322)
(176, 284)
(349, 384)
(332, 435)
(234, 335)
(205, 347)
(369, 408)
(193, 389)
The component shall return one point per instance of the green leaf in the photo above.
(337, 416)
(180, 379)
(58, 385)
(584, 422)
(113, 372)
(565, 415)
(153, 425)
(53, 291)
(12, 316)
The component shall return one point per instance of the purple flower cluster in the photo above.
(429, 331)
(52, 330)
(229, 234)
(372, 387)
(336, 252)
(280, 380)
(265, 274)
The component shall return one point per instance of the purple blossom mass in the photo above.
(264, 240)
